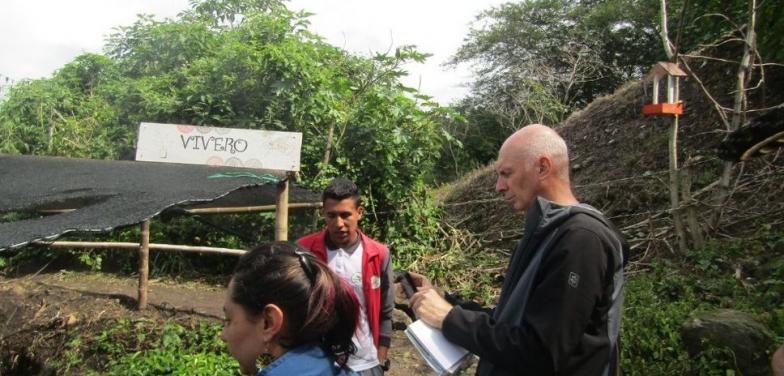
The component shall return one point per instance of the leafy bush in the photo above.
(144, 348)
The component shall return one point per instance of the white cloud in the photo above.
(39, 36)
(437, 27)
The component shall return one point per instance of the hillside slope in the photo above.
(619, 162)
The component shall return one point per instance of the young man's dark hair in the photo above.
(341, 189)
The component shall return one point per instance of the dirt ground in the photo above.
(35, 310)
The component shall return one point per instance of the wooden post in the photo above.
(656, 89)
(671, 89)
(282, 212)
(144, 264)
(674, 187)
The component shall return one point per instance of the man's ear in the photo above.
(545, 167)
(271, 323)
(360, 211)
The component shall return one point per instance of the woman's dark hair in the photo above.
(319, 307)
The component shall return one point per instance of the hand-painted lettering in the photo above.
(232, 145)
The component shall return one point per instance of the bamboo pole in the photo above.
(221, 210)
(282, 212)
(135, 246)
(247, 209)
(144, 265)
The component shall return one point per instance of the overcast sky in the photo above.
(39, 36)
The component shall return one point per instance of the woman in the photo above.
(284, 302)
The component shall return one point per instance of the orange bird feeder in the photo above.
(673, 106)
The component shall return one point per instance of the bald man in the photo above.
(560, 305)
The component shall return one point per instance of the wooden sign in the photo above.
(213, 146)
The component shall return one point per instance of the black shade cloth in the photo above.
(111, 194)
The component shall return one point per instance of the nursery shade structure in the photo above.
(107, 194)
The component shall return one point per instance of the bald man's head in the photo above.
(534, 162)
(534, 141)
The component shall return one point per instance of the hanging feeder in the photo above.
(672, 106)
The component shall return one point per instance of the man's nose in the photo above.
(500, 185)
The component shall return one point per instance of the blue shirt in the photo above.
(306, 360)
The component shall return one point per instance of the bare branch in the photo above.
(722, 16)
(664, 32)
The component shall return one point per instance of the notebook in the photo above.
(442, 356)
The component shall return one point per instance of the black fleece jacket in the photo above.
(560, 306)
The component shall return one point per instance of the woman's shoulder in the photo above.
(309, 360)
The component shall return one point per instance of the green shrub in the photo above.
(147, 348)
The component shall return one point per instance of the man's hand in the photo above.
(430, 307)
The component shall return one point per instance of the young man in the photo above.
(560, 307)
(365, 264)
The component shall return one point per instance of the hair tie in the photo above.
(306, 265)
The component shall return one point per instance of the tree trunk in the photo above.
(739, 106)
(664, 34)
(674, 200)
(328, 148)
(695, 230)
(680, 234)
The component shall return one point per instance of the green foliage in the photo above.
(91, 259)
(472, 139)
(63, 116)
(73, 356)
(568, 51)
(161, 362)
(712, 21)
(654, 309)
(660, 300)
(144, 348)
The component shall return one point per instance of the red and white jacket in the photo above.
(376, 281)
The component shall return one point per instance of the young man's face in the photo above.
(342, 220)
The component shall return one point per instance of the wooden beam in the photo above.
(135, 246)
(249, 209)
(220, 210)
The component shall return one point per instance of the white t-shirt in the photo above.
(349, 266)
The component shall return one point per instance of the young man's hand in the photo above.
(420, 282)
